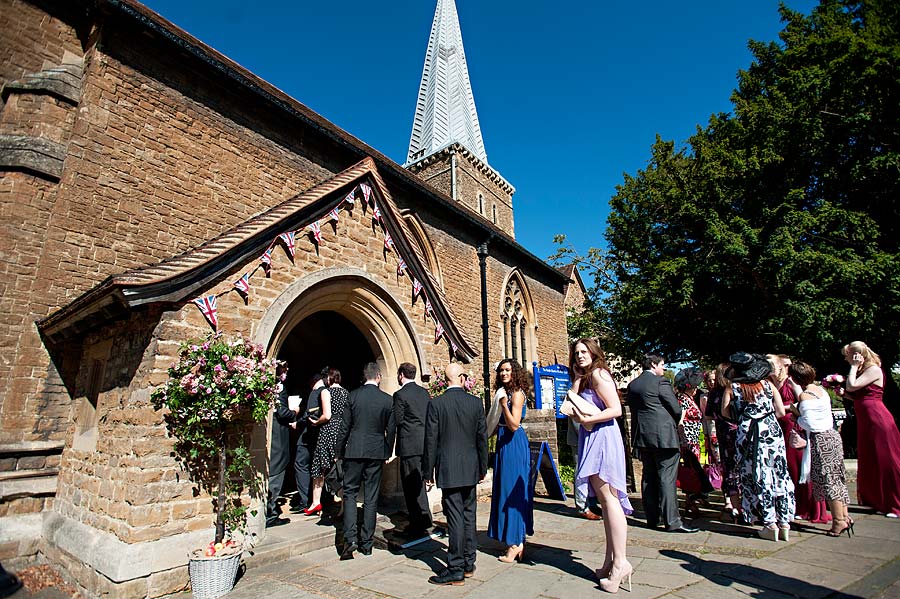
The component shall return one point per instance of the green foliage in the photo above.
(777, 227)
(216, 392)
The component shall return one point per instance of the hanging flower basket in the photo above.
(212, 577)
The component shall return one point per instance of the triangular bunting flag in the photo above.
(288, 239)
(428, 309)
(438, 332)
(454, 347)
(388, 242)
(266, 260)
(376, 214)
(334, 214)
(207, 305)
(401, 267)
(367, 192)
(417, 288)
(243, 285)
(351, 198)
(316, 231)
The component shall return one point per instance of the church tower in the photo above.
(446, 148)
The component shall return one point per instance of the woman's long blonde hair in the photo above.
(870, 358)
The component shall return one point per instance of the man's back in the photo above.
(455, 439)
(410, 409)
(369, 424)
(655, 411)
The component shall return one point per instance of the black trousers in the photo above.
(414, 492)
(279, 458)
(459, 507)
(302, 459)
(658, 491)
(367, 473)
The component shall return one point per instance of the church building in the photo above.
(152, 190)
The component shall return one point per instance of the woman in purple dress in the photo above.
(601, 465)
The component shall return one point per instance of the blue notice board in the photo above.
(550, 386)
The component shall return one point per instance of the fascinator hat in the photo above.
(688, 378)
(748, 368)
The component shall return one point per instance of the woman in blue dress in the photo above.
(512, 508)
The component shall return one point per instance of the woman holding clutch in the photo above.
(512, 508)
(601, 465)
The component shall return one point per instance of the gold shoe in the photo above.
(513, 555)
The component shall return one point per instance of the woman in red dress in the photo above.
(807, 507)
(878, 440)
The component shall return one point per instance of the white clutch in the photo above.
(575, 405)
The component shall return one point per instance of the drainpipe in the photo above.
(485, 327)
(453, 174)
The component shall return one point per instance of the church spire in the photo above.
(445, 110)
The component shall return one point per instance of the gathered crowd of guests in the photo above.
(762, 423)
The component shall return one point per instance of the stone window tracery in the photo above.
(516, 322)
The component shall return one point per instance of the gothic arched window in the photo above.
(517, 321)
(480, 204)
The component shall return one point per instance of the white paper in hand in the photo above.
(294, 402)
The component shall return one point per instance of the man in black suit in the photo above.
(456, 446)
(410, 406)
(279, 454)
(306, 444)
(655, 412)
(367, 437)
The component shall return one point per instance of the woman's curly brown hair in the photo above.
(520, 380)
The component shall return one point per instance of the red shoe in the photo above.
(312, 511)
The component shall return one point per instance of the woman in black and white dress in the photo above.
(767, 490)
(326, 447)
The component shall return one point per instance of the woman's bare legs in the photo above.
(614, 523)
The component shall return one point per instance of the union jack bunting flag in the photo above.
(454, 347)
(428, 309)
(288, 239)
(401, 267)
(207, 305)
(376, 213)
(334, 214)
(417, 288)
(351, 198)
(316, 231)
(438, 332)
(388, 242)
(243, 285)
(367, 192)
(266, 260)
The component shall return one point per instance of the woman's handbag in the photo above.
(796, 440)
(492, 420)
(576, 406)
(714, 473)
(688, 480)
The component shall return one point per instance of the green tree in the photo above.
(776, 227)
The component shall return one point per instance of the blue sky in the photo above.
(570, 94)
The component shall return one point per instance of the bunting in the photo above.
(401, 267)
(376, 214)
(417, 288)
(351, 198)
(243, 285)
(266, 260)
(454, 347)
(428, 309)
(316, 231)
(334, 214)
(388, 242)
(438, 332)
(207, 306)
(288, 239)
(367, 192)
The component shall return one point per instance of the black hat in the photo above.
(688, 377)
(748, 368)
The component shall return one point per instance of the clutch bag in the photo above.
(575, 405)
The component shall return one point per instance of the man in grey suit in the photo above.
(655, 413)
(410, 407)
(456, 448)
(367, 438)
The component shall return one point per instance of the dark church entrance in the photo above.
(323, 339)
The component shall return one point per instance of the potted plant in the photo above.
(216, 393)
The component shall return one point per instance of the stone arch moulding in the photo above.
(356, 295)
(515, 279)
(424, 243)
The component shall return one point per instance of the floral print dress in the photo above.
(767, 490)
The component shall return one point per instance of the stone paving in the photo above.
(723, 561)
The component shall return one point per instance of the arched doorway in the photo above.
(342, 318)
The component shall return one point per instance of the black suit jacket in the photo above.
(410, 408)
(455, 440)
(368, 427)
(655, 412)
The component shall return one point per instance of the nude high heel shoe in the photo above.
(513, 555)
(615, 578)
(603, 572)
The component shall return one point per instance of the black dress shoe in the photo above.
(367, 551)
(684, 529)
(469, 572)
(348, 550)
(447, 577)
(276, 521)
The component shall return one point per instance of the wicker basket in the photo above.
(213, 577)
